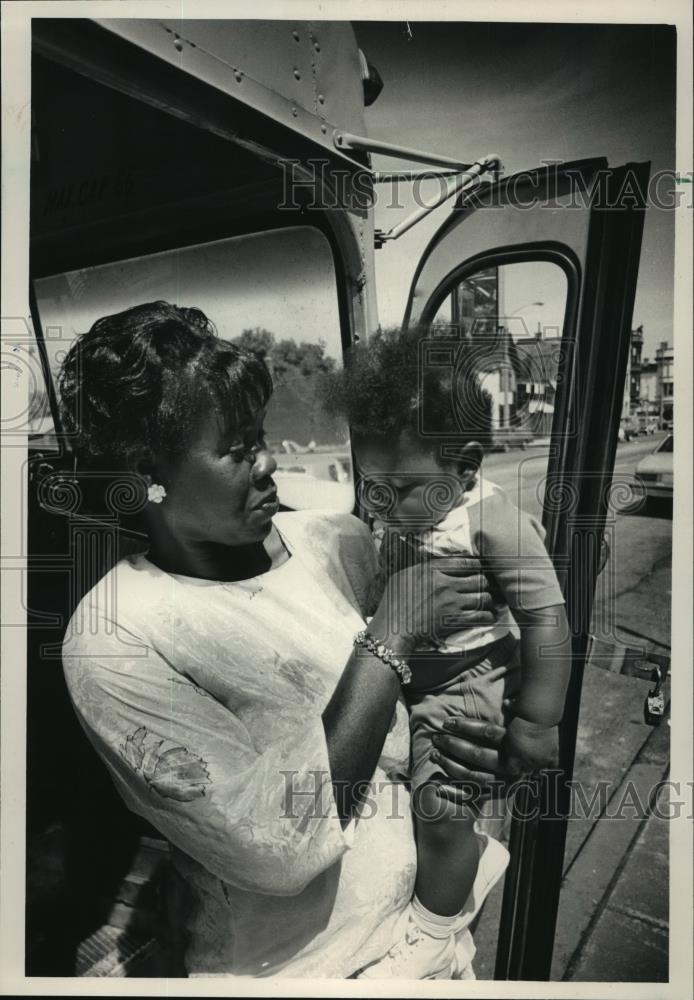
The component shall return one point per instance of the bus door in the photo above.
(535, 275)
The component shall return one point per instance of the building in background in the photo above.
(536, 385)
(654, 408)
(520, 375)
(665, 366)
(632, 383)
(474, 312)
(648, 400)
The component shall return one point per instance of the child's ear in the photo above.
(469, 461)
(470, 457)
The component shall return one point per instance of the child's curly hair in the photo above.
(408, 381)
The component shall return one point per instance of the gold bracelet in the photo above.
(379, 649)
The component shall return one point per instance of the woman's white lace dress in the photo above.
(204, 700)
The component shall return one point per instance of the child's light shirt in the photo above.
(486, 525)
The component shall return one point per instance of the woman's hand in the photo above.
(482, 758)
(469, 751)
(433, 599)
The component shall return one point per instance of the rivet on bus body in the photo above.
(321, 99)
(295, 112)
(178, 44)
(324, 129)
(295, 36)
(238, 76)
(297, 74)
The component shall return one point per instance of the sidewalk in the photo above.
(627, 940)
(613, 912)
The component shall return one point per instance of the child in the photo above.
(419, 474)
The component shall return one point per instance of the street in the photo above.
(641, 544)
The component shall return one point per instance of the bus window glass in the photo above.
(509, 321)
(274, 292)
(506, 324)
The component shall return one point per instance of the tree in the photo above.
(286, 357)
(290, 360)
(297, 370)
(257, 340)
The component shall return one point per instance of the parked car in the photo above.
(647, 424)
(655, 472)
(506, 438)
(315, 479)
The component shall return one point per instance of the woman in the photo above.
(218, 675)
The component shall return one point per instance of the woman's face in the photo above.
(221, 492)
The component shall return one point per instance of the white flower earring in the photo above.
(155, 493)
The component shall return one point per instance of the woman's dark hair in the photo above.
(407, 381)
(138, 383)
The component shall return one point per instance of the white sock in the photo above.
(434, 924)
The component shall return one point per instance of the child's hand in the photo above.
(529, 746)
